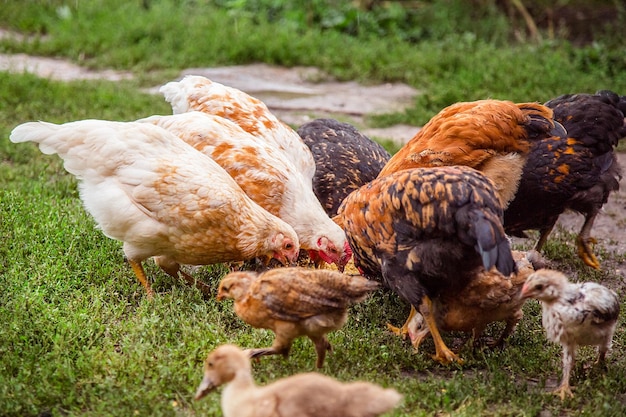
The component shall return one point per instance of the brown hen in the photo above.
(294, 302)
(489, 298)
(577, 172)
(147, 188)
(427, 232)
(492, 136)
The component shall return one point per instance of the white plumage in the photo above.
(195, 92)
(149, 189)
(574, 314)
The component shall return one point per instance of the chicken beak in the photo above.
(525, 293)
(206, 386)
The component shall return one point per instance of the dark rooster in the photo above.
(577, 172)
(425, 232)
(345, 159)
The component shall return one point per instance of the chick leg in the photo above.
(285, 333)
(564, 389)
(543, 236)
(321, 346)
(584, 241)
(141, 276)
(443, 354)
(511, 324)
(404, 330)
(173, 269)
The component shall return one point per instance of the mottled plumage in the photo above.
(266, 175)
(302, 395)
(577, 172)
(492, 136)
(574, 314)
(195, 92)
(345, 159)
(147, 188)
(294, 302)
(425, 232)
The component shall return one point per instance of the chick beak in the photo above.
(525, 293)
(206, 386)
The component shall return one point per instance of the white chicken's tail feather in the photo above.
(175, 93)
(43, 133)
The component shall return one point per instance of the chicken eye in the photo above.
(289, 246)
(539, 287)
(209, 364)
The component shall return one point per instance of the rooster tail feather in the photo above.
(492, 245)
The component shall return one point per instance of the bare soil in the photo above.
(297, 95)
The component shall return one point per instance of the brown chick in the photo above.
(147, 188)
(574, 314)
(302, 395)
(491, 297)
(491, 136)
(294, 302)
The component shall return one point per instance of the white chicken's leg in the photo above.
(141, 276)
(568, 363)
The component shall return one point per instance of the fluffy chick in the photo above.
(491, 297)
(302, 395)
(574, 314)
(294, 302)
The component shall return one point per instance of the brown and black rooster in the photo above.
(427, 231)
(577, 172)
(492, 136)
(345, 159)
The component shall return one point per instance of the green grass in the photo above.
(80, 338)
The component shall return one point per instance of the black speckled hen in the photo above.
(576, 172)
(345, 159)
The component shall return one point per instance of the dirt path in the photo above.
(297, 95)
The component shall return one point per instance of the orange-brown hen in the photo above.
(492, 136)
(294, 302)
(426, 232)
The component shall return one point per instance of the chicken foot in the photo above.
(584, 242)
(443, 354)
(405, 329)
(141, 276)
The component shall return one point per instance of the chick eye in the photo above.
(210, 364)
(539, 287)
(289, 246)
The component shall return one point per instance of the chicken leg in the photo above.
(173, 269)
(584, 241)
(443, 354)
(141, 276)
(564, 389)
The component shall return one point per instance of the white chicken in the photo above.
(147, 188)
(267, 176)
(195, 92)
(574, 314)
